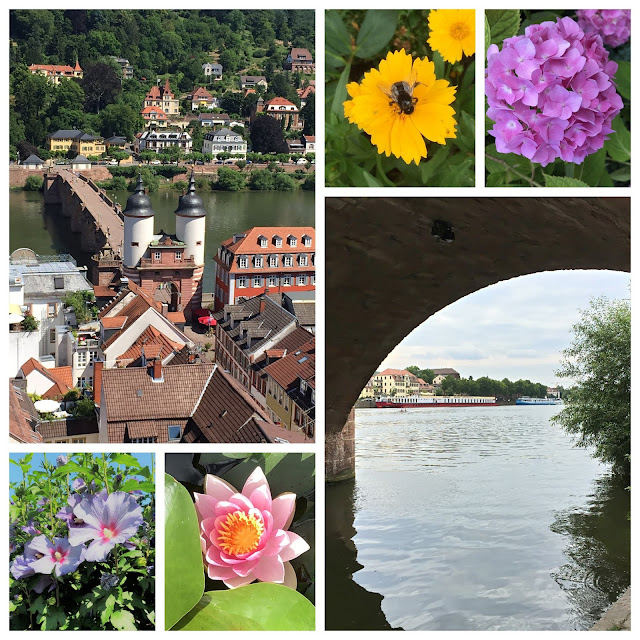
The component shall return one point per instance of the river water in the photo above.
(44, 231)
(482, 518)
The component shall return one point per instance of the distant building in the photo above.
(300, 61)
(283, 110)
(265, 259)
(213, 119)
(395, 382)
(212, 70)
(553, 392)
(23, 417)
(251, 82)
(33, 162)
(305, 93)
(77, 141)
(441, 374)
(224, 141)
(56, 73)
(154, 117)
(117, 143)
(127, 68)
(158, 141)
(164, 98)
(201, 98)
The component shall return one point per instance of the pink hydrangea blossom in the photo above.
(551, 93)
(612, 25)
(245, 535)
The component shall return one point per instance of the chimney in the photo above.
(165, 309)
(97, 381)
(156, 371)
(262, 305)
(192, 358)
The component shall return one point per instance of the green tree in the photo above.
(84, 408)
(33, 183)
(121, 120)
(284, 182)
(229, 180)
(266, 135)
(261, 180)
(599, 360)
(30, 323)
(308, 114)
(82, 304)
(101, 85)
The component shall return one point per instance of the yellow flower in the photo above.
(395, 130)
(453, 32)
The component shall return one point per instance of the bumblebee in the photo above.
(401, 94)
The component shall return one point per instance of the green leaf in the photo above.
(504, 23)
(466, 138)
(184, 569)
(621, 175)
(619, 144)
(497, 179)
(438, 64)
(487, 35)
(341, 94)
(126, 459)
(592, 169)
(375, 32)
(336, 37)
(54, 619)
(623, 79)
(371, 180)
(562, 181)
(537, 17)
(255, 607)
(123, 621)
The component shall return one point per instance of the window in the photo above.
(82, 358)
(178, 255)
(257, 281)
(143, 440)
(51, 310)
(157, 255)
(243, 263)
(198, 243)
(273, 261)
(293, 241)
(303, 386)
(258, 261)
(307, 241)
(313, 279)
(304, 260)
(287, 261)
(58, 282)
(242, 282)
(52, 335)
(286, 281)
(174, 432)
(302, 280)
(278, 241)
(78, 440)
(273, 281)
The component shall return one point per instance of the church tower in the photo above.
(190, 229)
(138, 230)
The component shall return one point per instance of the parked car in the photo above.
(155, 162)
(219, 162)
(301, 161)
(199, 162)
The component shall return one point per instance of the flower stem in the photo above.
(106, 478)
(381, 172)
(531, 181)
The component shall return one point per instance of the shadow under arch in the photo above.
(391, 263)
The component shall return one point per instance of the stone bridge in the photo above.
(391, 263)
(90, 212)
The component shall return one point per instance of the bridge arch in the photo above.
(391, 263)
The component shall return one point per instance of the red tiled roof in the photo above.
(114, 322)
(299, 364)
(100, 291)
(60, 377)
(296, 437)
(395, 372)
(177, 317)
(21, 420)
(279, 101)
(157, 111)
(154, 93)
(53, 68)
(296, 52)
(202, 93)
(64, 374)
(250, 244)
(155, 343)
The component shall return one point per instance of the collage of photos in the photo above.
(470, 467)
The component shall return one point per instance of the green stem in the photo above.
(106, 478)
(532, 182)
(381, 172)
(568, 169)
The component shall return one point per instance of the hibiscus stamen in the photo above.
(240, 533)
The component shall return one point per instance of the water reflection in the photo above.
(473, 521)
(598, 539)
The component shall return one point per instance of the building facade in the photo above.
(265, 259)
(283, 110)
(224, 141)
(159, 141)
(212, 70)
(76, 141)
(164, 98)
(56, 73)
(299, 61)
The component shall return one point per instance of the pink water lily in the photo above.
(244, 535)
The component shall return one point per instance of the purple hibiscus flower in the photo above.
(78, 485)
(66, 513)
(55, 556)
(61, 461)
(30, 529)
(21, 567)
(106, 522)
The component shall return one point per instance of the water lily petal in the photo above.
(261, 498)
(282, 509)
(205, 505)
(220, 573)
(218, 488)
(256, 480)
(233, 583)
(290, 579)
(296, 547)
(269, 569)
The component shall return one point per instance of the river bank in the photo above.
(618, 616)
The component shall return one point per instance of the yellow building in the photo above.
(56, 72)
(77, 141)
(392, 382)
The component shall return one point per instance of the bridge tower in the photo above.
(190, 229)
(138, 230)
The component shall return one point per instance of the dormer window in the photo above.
(273, 261)
(293, 241)
(306, 240)
(258, 261)
(303, 386)
(303, 259)
(287, 260)
(178, 256)
(243, 262)
(277, 240)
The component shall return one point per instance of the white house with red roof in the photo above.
(281, 109)
(201, 98)
(273, 259)
(299, 60)
(57, 72)
(154, 116)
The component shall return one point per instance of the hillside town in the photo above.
(129, 345)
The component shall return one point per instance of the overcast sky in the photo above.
(513, 329)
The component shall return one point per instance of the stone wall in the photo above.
(18, 175)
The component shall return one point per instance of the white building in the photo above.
(212, 70)
(225, 141)
(158, 141)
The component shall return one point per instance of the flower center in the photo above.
(107, 533)
(58, 556)
(459, 30)
(240, 533)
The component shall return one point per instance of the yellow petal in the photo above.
(407, 142)
(396, 67)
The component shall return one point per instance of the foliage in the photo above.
(425, 374)
(84, 408)
(80, 302)
(356, 41)
(284, 182)
(261, 180)
(504, 390)
(229, 180)
(116, 592)
(598, 410)
(33, 183)
(266, 135)
(309, 183)
(608, 167)
(30, 323)
(254, 606)
(101, 85)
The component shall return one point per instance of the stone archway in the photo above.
(391, 263)
(168, 293)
